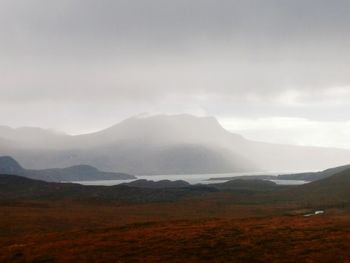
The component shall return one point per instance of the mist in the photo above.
(81, 66)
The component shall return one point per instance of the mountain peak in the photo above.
(178, 122)
(181, 120)
(158, 128)
(179, 116)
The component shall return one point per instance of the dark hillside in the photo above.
(314, 176)
(20, 188)
(331, 191)
(8, 165)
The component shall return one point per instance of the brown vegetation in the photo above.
(43, 222)
(204, 229)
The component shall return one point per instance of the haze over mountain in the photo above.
(163, 144)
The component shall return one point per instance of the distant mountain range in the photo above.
(177, 144)
(75, 173)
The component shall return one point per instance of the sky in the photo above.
(271, 70)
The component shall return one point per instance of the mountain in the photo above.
(75, 173)
(155, 145)
(315, 175)
(164, 144)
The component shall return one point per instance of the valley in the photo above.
(201, 131)
(217, 206)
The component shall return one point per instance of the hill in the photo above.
(75, 173)
(252, 185)
(310, 177)
(158, 185)
(330, 191)
(9, 165)
(314, 176)
(13, 187)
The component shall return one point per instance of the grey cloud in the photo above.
(113, 19)
(223, 57)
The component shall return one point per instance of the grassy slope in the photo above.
(328, 192)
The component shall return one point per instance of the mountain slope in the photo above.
(75, 173)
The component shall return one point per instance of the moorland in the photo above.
(57, 222)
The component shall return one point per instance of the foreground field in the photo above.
(238, 221)
(195, 230)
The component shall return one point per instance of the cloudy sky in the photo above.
(272, 70)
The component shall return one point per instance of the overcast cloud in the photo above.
(82, 65)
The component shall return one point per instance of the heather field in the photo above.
(204, 229)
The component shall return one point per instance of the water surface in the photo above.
(194, 178)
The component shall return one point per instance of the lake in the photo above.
(194, 178)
